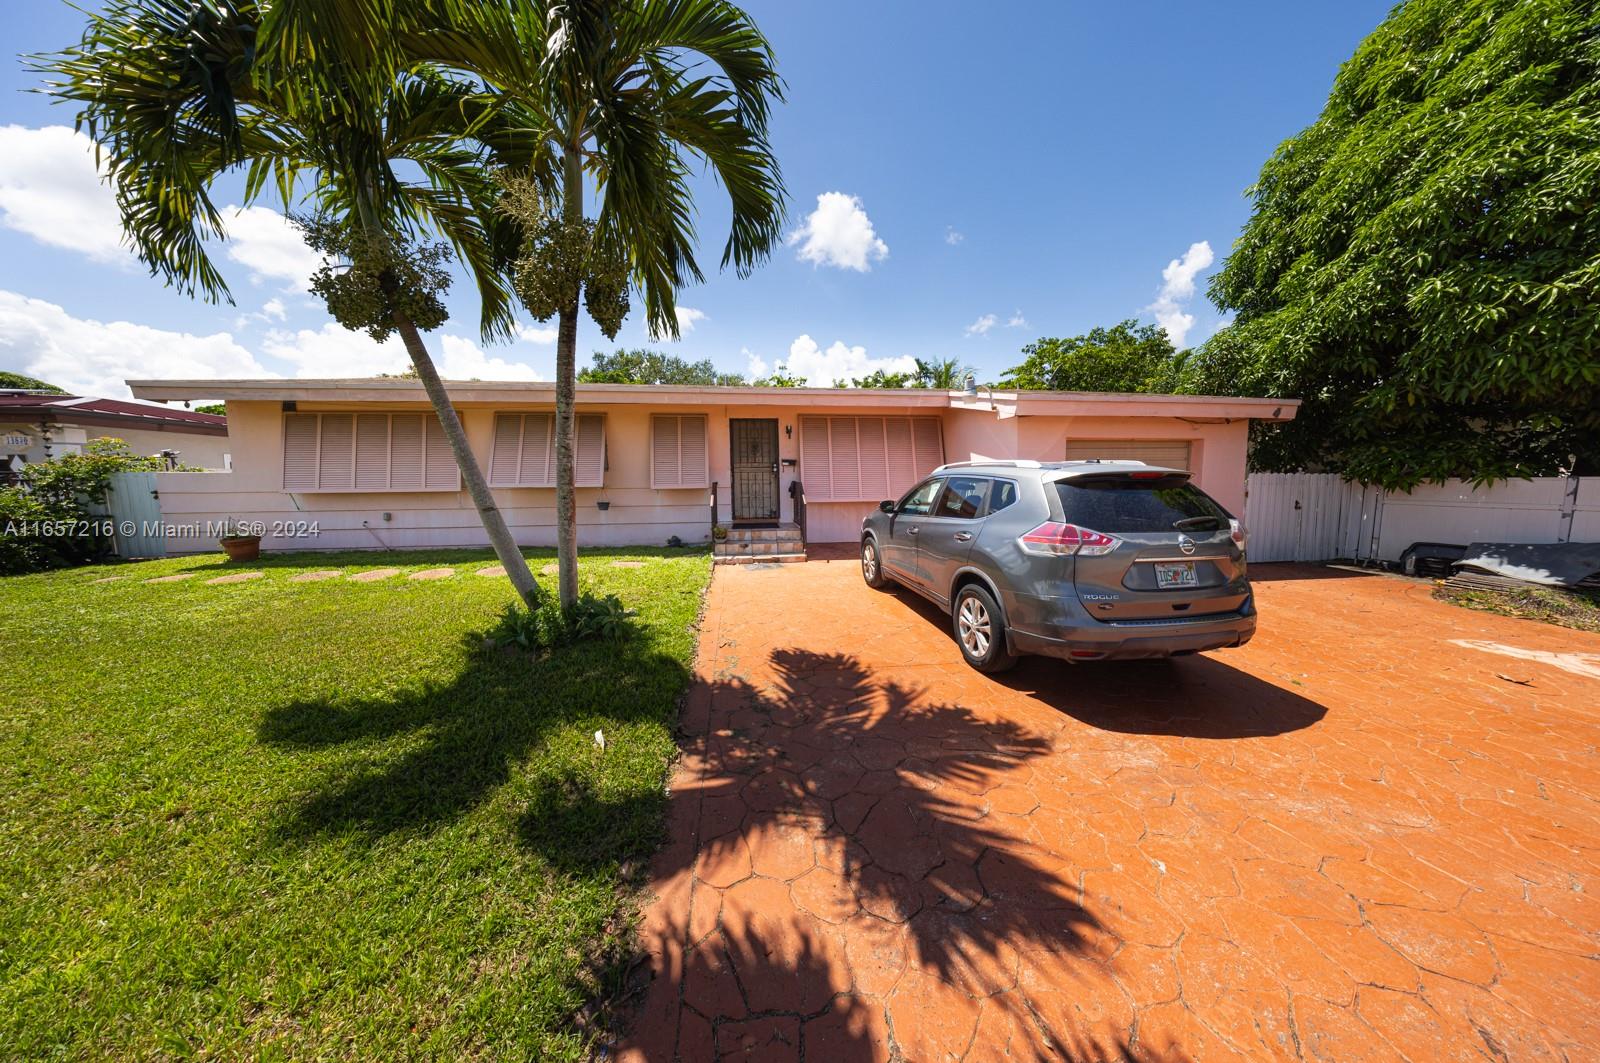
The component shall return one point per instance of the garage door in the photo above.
(1174, 454)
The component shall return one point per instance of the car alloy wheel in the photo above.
(974, 626)
(869, 562)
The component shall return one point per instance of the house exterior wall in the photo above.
(637, 514)
(205, 451)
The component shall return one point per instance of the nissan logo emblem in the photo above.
(1186, 544)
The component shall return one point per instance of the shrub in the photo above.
(550, 626)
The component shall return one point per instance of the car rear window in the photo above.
(1122, 504)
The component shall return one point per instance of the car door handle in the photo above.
(962, 537)
(913, 530)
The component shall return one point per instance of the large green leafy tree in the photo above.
(1422, 263)
(26, 383)
(642, 366)
(317, 104)
(625, 99)
(1127, 357)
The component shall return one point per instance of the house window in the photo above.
(866, 459)
(524, 453)
(367, 452)
(678, 450)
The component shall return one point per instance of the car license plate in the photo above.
(1175, 574)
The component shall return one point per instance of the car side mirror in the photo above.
(886, 507)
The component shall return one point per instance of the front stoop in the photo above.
(747, 546)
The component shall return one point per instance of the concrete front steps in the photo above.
(774, 546)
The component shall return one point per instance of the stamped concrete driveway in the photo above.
(1356, 838)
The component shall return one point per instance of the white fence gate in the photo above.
(1319, 517)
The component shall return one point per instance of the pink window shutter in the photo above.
(692, 453)
(405, 452)
(336, 455)
(815, 459)
(300, 452)
(589, 457)
(666, 469)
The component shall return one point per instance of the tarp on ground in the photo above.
(1552, 564)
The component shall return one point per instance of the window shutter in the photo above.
(372, 451)
(899, 455)
(439, 461)
(1168, 453)
(666, 466)
(844, 468)
(929, 444)
(874, 471)
(814, 459)
(692, 453)
(506, 449)
(589, 451)
(538, 468)
(405, 452)
(300, 452)
(336, 454)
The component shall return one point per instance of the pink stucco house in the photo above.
(366, 462)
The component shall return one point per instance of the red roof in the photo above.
(64, 407)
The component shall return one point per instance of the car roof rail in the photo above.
(1014, 463)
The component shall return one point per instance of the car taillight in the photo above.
(1237, 532)
(1053, 537)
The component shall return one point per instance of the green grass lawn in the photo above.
(319, 820)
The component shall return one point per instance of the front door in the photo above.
(754, 445)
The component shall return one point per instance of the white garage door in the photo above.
(1171, 453)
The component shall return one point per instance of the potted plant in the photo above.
(719, 533)
(240, 543)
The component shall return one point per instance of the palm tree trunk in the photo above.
(505, 547)
(566, 400)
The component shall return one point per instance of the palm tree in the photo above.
(625, 97)
(945, 374)
(313, 102)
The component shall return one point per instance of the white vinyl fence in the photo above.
(1320, 517)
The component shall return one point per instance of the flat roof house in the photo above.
(367, 461)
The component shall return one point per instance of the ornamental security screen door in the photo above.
(753, 444)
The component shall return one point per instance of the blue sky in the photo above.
(983, 181)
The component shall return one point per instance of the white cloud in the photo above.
(1017, 321)
(839, 233)
(1177, 288)
(821, 368)
(51, 190)
(264, 242)
(952, 237)
(537, 333)
(982, 326)
(271, 310)
(94, 358)
(688, 317)
(756, 366)
(335, 351)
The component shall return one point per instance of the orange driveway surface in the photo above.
(1350, 839)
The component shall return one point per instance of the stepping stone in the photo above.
(627, 564)
(375, 574)
(492, 570)
(314, 577)
(550, 570)
(236, 577)
(107, 579)
(433, 573)
(173, 579)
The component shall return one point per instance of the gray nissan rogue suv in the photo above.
(1083, 560)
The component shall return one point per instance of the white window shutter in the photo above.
(692, 453)
(874, 470)
(336, 453)
(538, 466)
(372, 452)
(440, 462)
(506, 450)
(844, 469)
(589, 451)
(900, 456)
(666, 467)
(405, 452)
(815, 461)
(300, 452)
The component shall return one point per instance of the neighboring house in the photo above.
(367, 463)
(36, 426)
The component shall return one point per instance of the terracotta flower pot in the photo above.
(242, 548)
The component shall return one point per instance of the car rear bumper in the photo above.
(1059, 627)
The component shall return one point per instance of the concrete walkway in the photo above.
(1351, 839)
